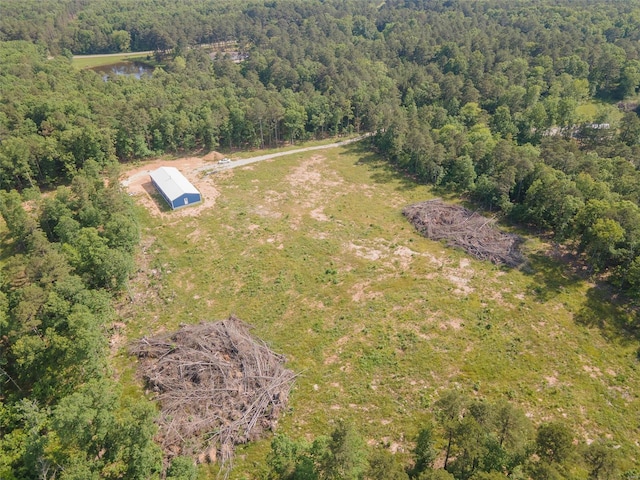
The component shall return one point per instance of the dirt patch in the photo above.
(138, 184)
(358, 293)
(364, 252)
(319, 215)
(460, 277)
(404, 256)
(331, 360)
(594, 372)
(453, 323)
(312, 183)
(551, 381)
(118, 336)
(309, 177)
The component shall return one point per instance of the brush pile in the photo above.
(217, 385)
(475, 234)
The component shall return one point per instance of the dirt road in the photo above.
(247, 161)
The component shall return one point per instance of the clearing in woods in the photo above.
(313, 251)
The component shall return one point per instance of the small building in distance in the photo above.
(174, 187)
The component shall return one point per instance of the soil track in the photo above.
(198, 171)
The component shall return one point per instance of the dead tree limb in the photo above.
(460, 227)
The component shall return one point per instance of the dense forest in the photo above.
(61, 412)
(477, 97)
(481, 97)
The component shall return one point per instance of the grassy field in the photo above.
(600, 112)
(91, 61)
(312, 250)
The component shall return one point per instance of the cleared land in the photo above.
(313, 251)
(90, 61)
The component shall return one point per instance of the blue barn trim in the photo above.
(177, 191)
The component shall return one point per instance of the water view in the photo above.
(130, 69)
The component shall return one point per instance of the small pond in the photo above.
(129, 69)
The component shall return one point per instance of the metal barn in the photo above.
(174, 187)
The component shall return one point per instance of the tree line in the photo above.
(470, 439)
(62, 415)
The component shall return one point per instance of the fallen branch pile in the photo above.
(472, 232)
(217, 386)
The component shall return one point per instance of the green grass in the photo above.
(91, 62)
(596, 111)
(312, 250)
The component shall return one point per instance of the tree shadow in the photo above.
(612, 315)
(382, 171)
(602, 308)
(550, 277)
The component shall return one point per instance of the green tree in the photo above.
(601, 242)
(554, 442)
(292, 460)
(347, 454)
(20, 224)
(630, 129)
(99, 265)
(438, 474)
(182, 468)
(122, 232)
(471, 442)
(460, 174)
(121, 40)
(424, 452)
(493, 475)
(552, 201)
(383, 465)
(602, 460)
(502, 123)
(513, 428)
(295, 120)
(449, 408)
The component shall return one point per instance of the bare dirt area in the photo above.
(138, 184)
(197, 169)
